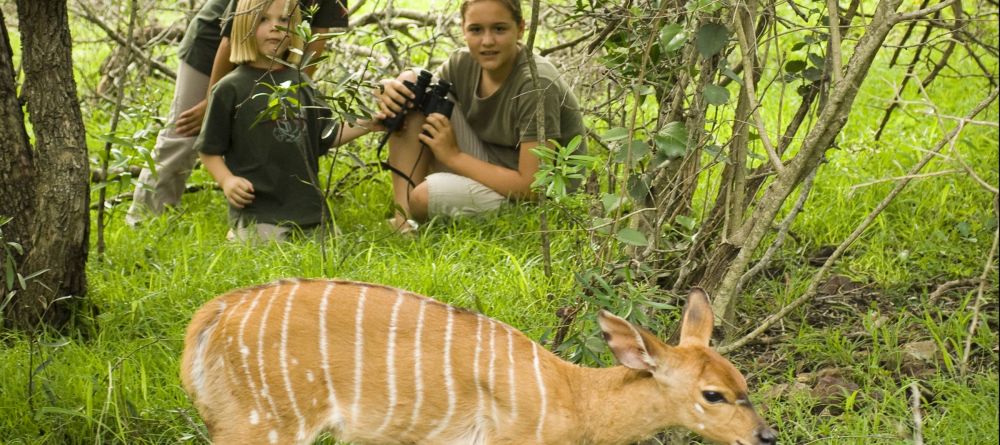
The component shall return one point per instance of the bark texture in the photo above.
(59, 224)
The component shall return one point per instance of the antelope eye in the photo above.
(713, 397)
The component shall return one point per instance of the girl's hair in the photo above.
(514, 6)
(243, 44)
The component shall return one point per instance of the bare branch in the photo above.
(754, 105)
(91, 17)
(987, 267)
(919, 14)
(821, 273)
(897, 178)
(949, 285)
(833, 11)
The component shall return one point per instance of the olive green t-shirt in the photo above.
(280, 157)
(507, 117)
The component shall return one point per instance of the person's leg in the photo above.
(451, 195)
(173, 154)
(407, 155)
(257, 233)
(420, 197)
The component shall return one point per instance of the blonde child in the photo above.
(267, 160)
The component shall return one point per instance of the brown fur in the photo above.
(226, 374)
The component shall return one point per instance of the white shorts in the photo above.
(451, 195)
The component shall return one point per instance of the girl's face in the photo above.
(271, 41)
(492, 35)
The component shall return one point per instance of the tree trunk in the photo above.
(16, 160)
(832, 118)
(60, 224)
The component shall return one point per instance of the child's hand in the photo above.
(393, 98)
(238, 191)
(440, 137)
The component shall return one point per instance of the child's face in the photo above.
(492, 35)
(271, 41)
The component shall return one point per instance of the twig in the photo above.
(562, 46)
(918, 418)
(896, 178)
(833, 12)
(949, 285)
(906, 78)
(752, 97)
(989, 187)
(987, 267)
(782, 231)
(906, 36)
(810, 292)
(115, 116)
(89, 15)
(921, 13)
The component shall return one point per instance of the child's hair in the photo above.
(514, 6)
(243, 45)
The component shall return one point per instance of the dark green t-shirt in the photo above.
(202, 37)
(279, 157)
(203, 34)
(507, 117)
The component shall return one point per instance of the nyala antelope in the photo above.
(284, 362)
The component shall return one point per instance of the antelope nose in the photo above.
(766, 436)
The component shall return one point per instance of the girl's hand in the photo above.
(440, 137)
(238, 191)
(393, 95)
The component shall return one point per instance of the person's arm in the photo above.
(349, 132)
(511, 183)
(238, 190)
(189, 122)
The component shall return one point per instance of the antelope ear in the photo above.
(696, 326)
(632, 346)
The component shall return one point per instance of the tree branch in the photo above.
(91, 17)
(921, 13)
(821, 273)
(987, 267)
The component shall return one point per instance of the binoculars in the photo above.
(427, 99)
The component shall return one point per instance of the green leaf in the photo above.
(794, 66)
(672, 37)
(672, 140)
(728, 72)
(710, 39)
(632, 237)
(715, 152)
(639, 149)
(601, 225)
(638, 187)
(812, 74)
(615, 134)
(716, 95)
(611, 202)
(686, 221)
(818, 61)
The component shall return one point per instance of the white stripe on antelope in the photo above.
(369, 364)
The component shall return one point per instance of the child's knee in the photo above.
(419, 201)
